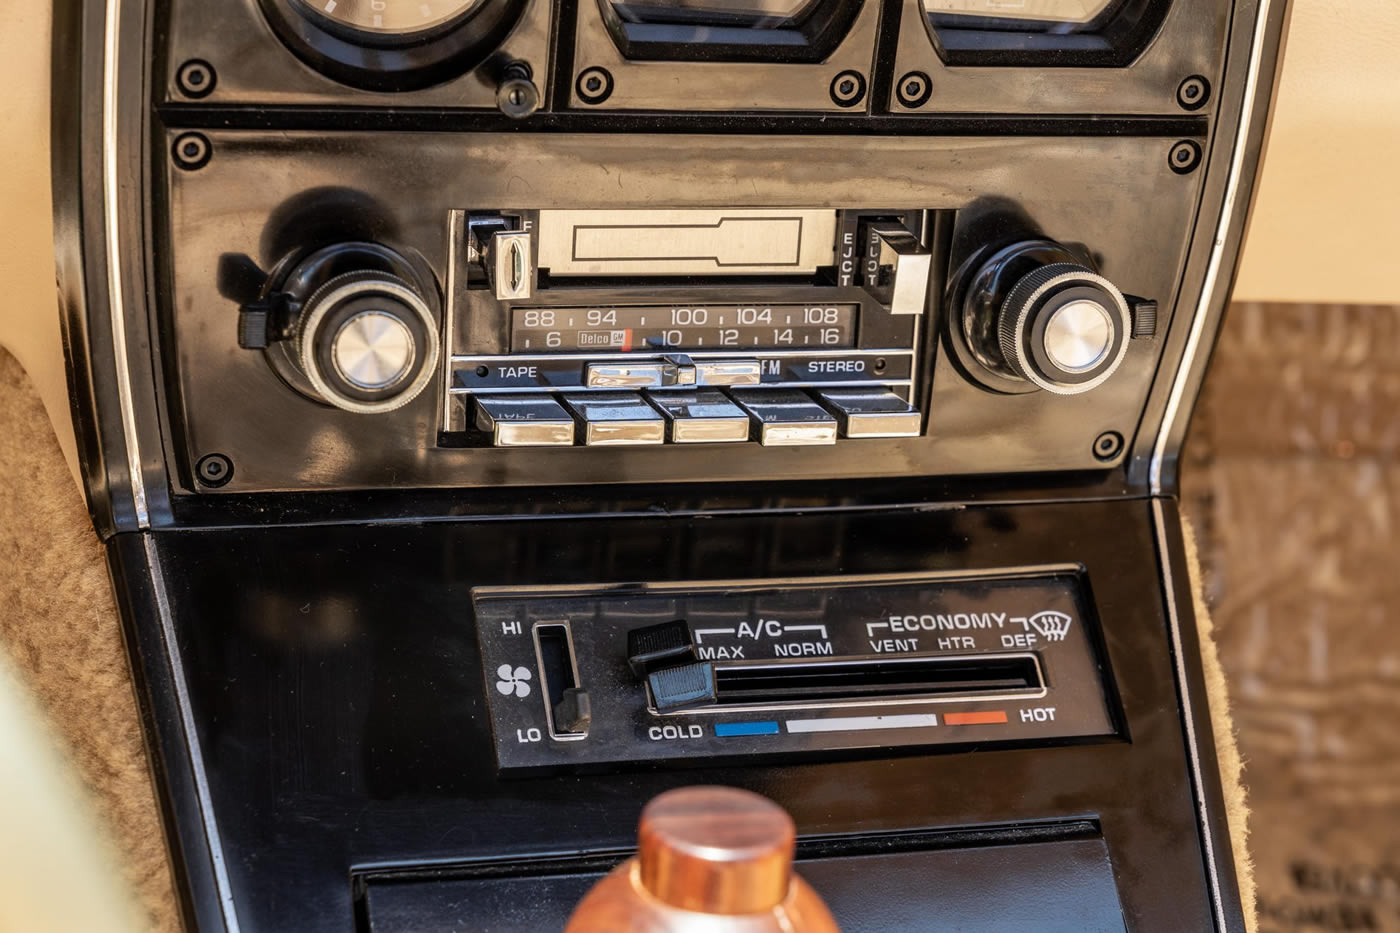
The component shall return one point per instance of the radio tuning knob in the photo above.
(1038, 316)
(1064, 328)
(348, 326)
(367, 342)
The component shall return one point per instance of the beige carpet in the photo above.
(1293, 483)
(60, 628)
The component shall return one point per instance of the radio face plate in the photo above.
(867, 663)
(674, 299)
(412, 192)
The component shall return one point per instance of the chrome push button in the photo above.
(524, 420)
(871, 413)
(676, 370)
(728, 373)
(787, 417)
(616, 419)
(704, 416)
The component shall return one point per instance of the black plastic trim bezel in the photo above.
(811, 40)
(1124, 37)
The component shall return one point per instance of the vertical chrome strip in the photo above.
(1188, 716)
(450, 313)
(110, 193)
(187, 724)
(1217, 252)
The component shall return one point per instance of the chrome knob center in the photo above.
(1078, 336)
(373, 350)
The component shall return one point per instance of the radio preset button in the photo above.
(728, 373)
(787, 417)
(524, 420)
(704, 416)
(617, 419)
(871, 413)
(508, 258)
(623, 375)
(645, 374)
(898, 268)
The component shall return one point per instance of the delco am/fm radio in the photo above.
(600, 327)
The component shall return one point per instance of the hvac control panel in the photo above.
(676, 671)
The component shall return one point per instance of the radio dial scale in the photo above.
(757, 312)
(661, 328)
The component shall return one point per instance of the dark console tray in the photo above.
(1063, 885)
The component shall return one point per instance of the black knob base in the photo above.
(315, 303)
(1035, 316)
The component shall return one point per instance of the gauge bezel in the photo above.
(1121, 38)
(373, 61)
(384, 38)
(811, 40)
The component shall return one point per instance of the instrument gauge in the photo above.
(1074, 14)
(393, 45)
(377, 20)
(752, 14)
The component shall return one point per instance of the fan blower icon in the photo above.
(513, 680)
(1051, 625)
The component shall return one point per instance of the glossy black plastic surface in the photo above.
(338, 699)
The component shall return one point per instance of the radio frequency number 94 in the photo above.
(689, 327)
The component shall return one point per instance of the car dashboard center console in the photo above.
(499, 412)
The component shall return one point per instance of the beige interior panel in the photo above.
(1326, 218)
(29, 320)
